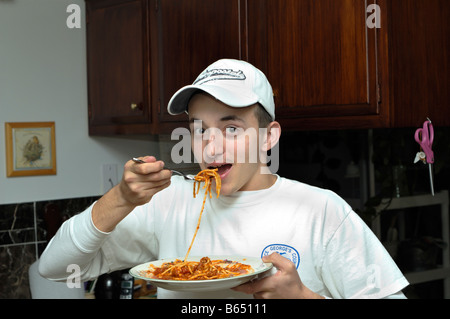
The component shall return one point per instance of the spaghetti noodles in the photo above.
(206, 268)
(205, 176)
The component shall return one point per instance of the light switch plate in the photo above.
(109, 176)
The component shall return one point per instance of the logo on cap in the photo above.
(219, 74)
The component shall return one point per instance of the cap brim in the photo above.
(179, 102)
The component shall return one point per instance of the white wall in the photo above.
(43, 78)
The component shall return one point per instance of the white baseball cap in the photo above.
(233, 82)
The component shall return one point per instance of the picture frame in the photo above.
(30, 148)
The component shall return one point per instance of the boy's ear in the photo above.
(272, 137)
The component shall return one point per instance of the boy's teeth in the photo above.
(219, 166)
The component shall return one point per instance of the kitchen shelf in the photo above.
(441, 199)
(427, 275)
(23, 244)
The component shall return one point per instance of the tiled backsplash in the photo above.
(24, 232)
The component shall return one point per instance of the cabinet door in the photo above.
(419, 43)
(192, 35)
(319, 56)
(117, 66)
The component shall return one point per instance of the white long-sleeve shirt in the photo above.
(335, 253)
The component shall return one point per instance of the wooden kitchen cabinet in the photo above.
(419, 62)
(328, 69)
(140, 52)
(192, 34)
(118, 67)
(321, 60)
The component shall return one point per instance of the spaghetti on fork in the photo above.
(206, 177)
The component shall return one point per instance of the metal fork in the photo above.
(186, 177)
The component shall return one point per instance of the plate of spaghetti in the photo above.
(201, 273)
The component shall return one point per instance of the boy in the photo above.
(320, 248)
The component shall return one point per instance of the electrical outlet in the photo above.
(109, 176)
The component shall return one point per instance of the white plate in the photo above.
(257, 264)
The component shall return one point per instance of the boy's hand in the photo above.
(284, 284)
(138, 185)
(141, 181)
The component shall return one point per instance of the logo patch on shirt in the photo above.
(284, 250)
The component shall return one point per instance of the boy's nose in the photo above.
(211, 147)
(214, 148)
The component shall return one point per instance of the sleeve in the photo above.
(79, 242)
(356, 265)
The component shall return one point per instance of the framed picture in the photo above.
(30, 149)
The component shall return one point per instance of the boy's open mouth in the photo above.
(222, 169)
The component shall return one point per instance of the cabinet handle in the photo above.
(135, 106)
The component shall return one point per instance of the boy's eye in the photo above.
(199, 131)
(231, 130)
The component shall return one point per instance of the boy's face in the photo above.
(227, 138)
